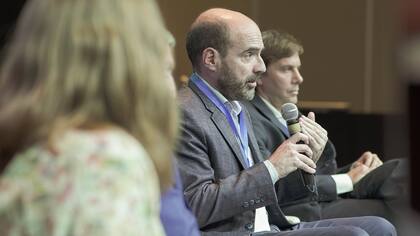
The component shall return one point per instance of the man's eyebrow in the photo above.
(253, 49)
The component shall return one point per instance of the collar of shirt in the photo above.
(234, 107)
(276, 112)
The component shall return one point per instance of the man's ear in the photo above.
(210, 58)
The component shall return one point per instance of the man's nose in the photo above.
(259, 67)
(298, 77)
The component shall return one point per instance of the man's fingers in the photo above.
(308, 161)
(313, 125)
(356, 164)
(376, 161)
(311, 116)
(303, 148)
(376, 158)
(299, 137)
(364, 156)
(368, 160)
(307, 169)
(306, 164)
(319, 137)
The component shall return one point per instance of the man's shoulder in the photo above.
(185, 93)
(187, 98)
(249, 105)
(192, 105)
(255, 107)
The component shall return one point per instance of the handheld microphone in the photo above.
(290, 113)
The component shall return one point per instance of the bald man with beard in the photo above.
(228, 186)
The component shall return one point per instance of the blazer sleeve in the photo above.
(327, 190)
(326, 166)
(217, 192)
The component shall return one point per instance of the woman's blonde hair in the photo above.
(85, 64)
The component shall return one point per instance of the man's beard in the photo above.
(234, 88)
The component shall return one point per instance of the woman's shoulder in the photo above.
(75, 149)
(83, 170)
(110, 141)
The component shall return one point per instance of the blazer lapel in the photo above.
(260, 105)
(253, 145)
(221, 123)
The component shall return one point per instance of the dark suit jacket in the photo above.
(293, 197)
(220, 191)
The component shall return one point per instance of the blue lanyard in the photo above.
(242, 135)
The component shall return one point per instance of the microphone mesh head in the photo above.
(289, 111)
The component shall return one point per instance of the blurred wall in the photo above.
(349, 44)
(9, 11)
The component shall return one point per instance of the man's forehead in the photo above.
(247, 37)
(292, 60)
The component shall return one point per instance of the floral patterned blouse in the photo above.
(88, 183)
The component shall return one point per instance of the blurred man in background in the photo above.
(367, 187)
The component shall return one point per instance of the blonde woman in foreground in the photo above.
(87, 120)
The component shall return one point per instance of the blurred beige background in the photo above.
(349, 45)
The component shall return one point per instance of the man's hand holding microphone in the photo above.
(304, 147)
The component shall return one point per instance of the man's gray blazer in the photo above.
(221, 192)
